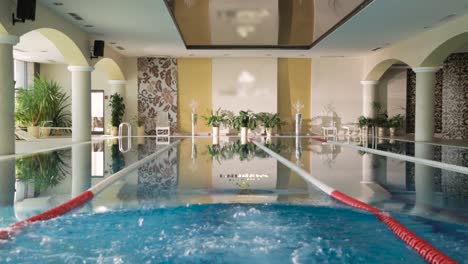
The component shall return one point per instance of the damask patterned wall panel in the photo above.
(411, 101)
(455, 98)
(157, 91)
(157, 179)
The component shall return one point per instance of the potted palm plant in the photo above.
(395, 123)
(215, 119)
(381, 122)
(118, 110)
(269, 121)
(139, 121)
(43, 103)
(363, 124)
(244, 121)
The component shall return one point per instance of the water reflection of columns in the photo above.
(374, 173)
(7, 182)
(424, 177)
(81, 168)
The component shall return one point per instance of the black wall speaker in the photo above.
(98, 49)
(26, 10)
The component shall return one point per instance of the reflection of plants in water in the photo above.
(44, 170)
(118, 159)
(245, 151)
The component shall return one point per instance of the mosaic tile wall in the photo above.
(451, 94)
(455, 97)
(157, 91)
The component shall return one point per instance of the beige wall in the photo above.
(294, 79)
(194, 83)
(131, 90)
(336, 85)
(392, 91)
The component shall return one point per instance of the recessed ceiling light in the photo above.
(75, 16)
(43, 51)
(89, 26)
(58, 3)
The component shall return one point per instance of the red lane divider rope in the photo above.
(59, 210)
(428, 252)
(423, 248)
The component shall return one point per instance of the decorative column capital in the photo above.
(366, 82)
(9, 39)
(117, 82)
(74, 68)
(426, 69)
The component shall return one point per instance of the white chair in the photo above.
(331, 129)
(20, 134)
(163, 126)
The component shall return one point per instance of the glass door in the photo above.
(97, 112)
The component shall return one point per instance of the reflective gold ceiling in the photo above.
(259, 24)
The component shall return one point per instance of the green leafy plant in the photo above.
(244, 119)
(45, 170)
(381, 120)
(138, 120)
(215, 118)
(118, 159)
(363, 121)
(396, 121)
(269, 120)
(43, 104)
(118, 109)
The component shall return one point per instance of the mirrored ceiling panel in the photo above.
(247, 24)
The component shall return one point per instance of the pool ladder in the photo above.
(129, 137)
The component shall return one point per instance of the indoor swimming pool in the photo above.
(187, 200)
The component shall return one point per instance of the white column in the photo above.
(81, 103)
(118, 86)
(425, 89)
(7, 95)
(369, 96)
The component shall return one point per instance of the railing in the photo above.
(129, 137)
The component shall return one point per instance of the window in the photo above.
(97, 111)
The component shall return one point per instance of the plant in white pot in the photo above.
(215, 119)
(118, 110)
(139, 122)
(269, 121)
(395, 123)
(244, 121)
(43, 103)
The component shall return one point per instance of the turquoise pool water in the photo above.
(232, 202)
(217, 233)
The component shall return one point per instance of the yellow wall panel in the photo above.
(194, 83)
(294, 83)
